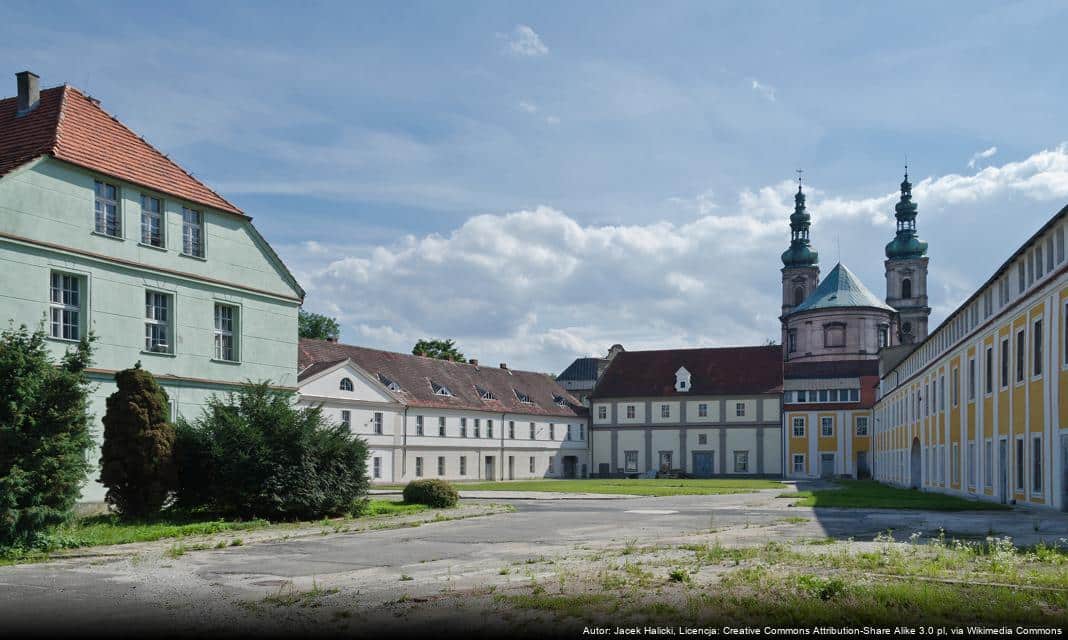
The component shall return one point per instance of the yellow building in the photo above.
(975, 408)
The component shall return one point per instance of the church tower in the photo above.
(800, 272)
(906, 271)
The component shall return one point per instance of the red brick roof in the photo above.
(70, 126)
(415, 373)
(729, 370)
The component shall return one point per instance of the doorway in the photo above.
(570, 466)
(702, 463)
(665, 461)
(862, 465)
(917, 465)
(826, 465)
(511, 467)
(1003, 470)
(490, 468)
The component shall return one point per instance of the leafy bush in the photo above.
(44, 435)
(433, 493)
(136, 462)
(255, 454)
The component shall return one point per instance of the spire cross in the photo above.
(799, 172)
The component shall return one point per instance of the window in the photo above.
(799, 463)
(485, 394)
(988, 372)
(702, 410)
(377, 465)
(567, 433)
(739, 409)
(441, 465)
(988, 463)
(1004, 358)
(1064, 323)
(511, 429)
(345, 384)
(418, 467)
(157, 322)
(441, 426)
(799, 295)
(108, 220)
(741, 462)
(418, 425)
(862, 426)
(665, 411)
(799, 427)
(478, 428)
(954, 462)
(552, 431)
(346, 418)
(971, 378)
(551, 465)
(955, 386)
(440, 389)
(65, 308)
(1036, 343)
(582, 432)
(630, 461)
(463, 465)
(1036, 465)
(151, 221)
(971, 464)
(192, 233)
(389, 384)
(906, 288)
(463, 427)
(602, 413)
(532, 464)
(884, 336)
(532, 432)
(702, 438)
(378, 423)
(834, 335)
(630, 412)
(522, 397)
(791, 340)
(225, 346)
(1039, 262)
(1019, 464)
(826, 427)
(1020, 356)
(489, 428)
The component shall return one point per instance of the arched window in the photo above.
(799, 295)
(346, 384)
(906, 288)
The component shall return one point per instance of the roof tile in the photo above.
(728, 370)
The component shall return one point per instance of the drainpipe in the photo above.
(503, 423)
(404, 442)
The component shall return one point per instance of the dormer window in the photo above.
(485, 394)
(560, 400)
(522, 397)
(682, 380)
(345, 384)
(389, 384)
(440, 389)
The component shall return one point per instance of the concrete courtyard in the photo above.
(326, 582)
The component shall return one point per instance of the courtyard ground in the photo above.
(623, 486)
(559, 565)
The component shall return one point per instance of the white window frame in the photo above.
(631, 412)
(441, 465)
(221, 332)
(463, 465)
(152, 218)
(441, 426)
(346, 418)
(798, 422)
(155, 326)
(627, 468)
(702, 410)
(65, 306)
(799, 463)
(377, 423)
(857, 422)
(1037, 453)
(418, 466)
(345, 384)
(193, 236)
(741, 461)
(418, 425)
(739, 409)
(602, 412)
(826, 427)
(376, 465)
(107, 211)
(665, 410)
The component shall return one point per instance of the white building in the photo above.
(428, 418)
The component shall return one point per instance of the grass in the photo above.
(868, 494)
(643, 487)
(112, 529)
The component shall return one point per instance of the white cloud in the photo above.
(524, 41)
(529, 107)
(986, 153)
(765, 90)
(535, 288)
(552, 120)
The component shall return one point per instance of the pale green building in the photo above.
(102, 233)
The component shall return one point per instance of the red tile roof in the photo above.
(719, 371)
(414, 374)
(70, 126)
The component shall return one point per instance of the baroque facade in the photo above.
(102, 234)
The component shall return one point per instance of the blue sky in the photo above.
(540, 180)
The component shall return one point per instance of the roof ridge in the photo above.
(96, 104)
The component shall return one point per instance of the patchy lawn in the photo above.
(868, 494)
(642, 487)
(111, 529)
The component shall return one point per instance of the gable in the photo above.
(328, 385)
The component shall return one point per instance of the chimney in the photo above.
(331, 339)
(473, 361)
(504, 365)
(29, 91)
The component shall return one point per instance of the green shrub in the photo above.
(433, 493)
(44, 435)
(254, 454)
(137, 462)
